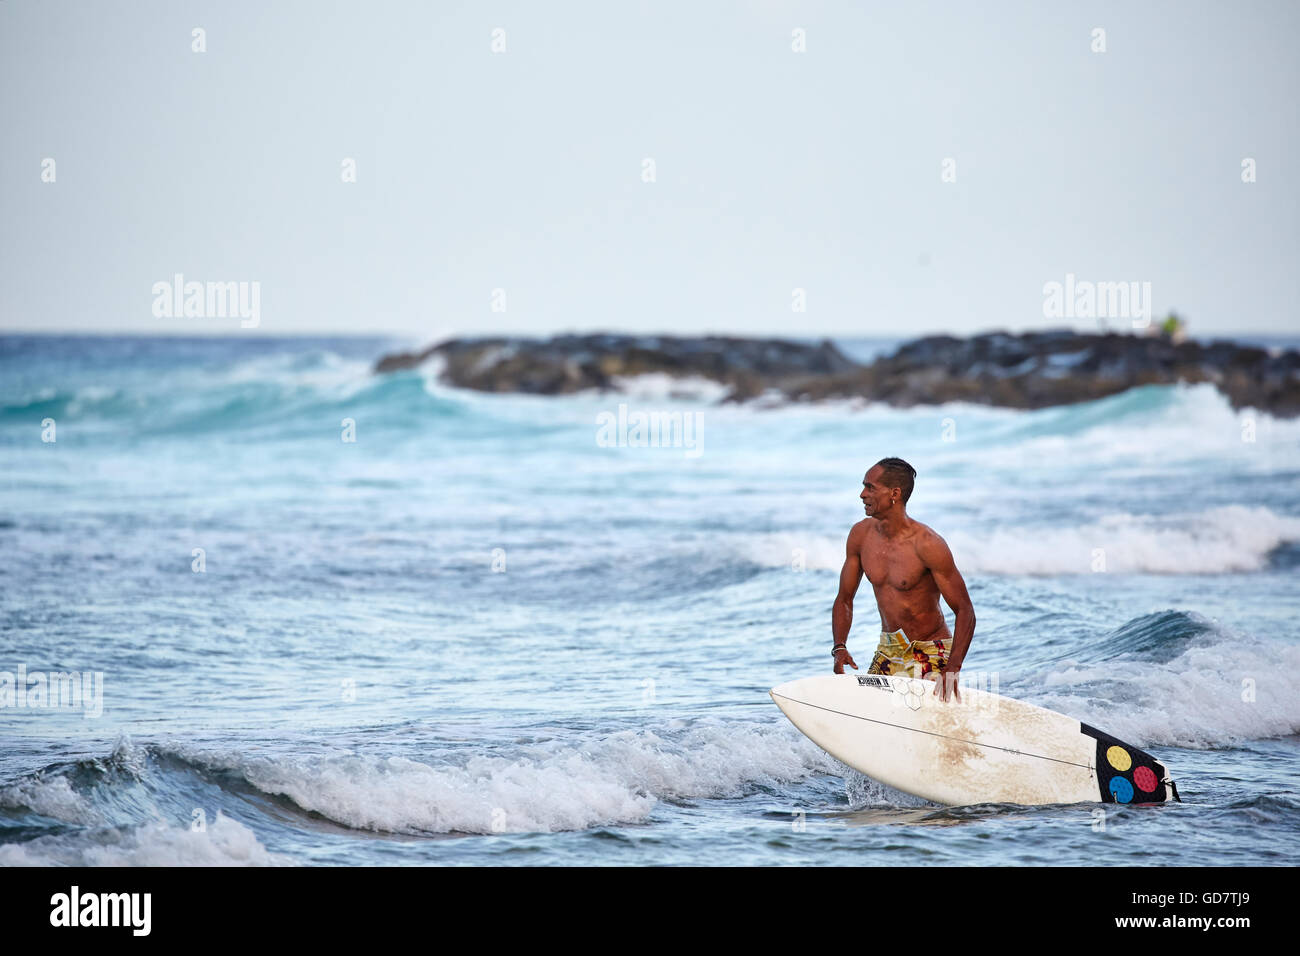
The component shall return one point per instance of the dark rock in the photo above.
(571, 363)
(1029, 370)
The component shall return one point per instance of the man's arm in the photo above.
(938, 558)
(842, 611)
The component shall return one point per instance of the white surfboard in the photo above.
(985, 749)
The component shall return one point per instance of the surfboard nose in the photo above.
(792, 689)
(784, 703)
(792, 696)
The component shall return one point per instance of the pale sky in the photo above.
(522, 170)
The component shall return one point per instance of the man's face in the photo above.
(875, 497)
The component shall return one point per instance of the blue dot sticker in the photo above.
(1121, 789)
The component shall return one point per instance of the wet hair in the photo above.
(898, 474)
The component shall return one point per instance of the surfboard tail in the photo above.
(1126, 774)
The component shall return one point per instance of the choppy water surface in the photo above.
(475, 635)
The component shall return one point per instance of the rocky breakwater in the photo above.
(1029, 370)
(574, 363)
(1060, 367)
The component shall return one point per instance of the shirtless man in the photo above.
(909, 566)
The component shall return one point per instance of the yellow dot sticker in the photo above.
(1119, 758)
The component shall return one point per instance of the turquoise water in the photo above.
(477, 635)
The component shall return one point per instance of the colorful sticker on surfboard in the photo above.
(1128, 775)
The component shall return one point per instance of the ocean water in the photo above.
(478, 635)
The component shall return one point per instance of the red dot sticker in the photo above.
(1145, 779)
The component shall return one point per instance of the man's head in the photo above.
(888, 484)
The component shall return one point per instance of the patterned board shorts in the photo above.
(897, 655)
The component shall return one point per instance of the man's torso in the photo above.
(906, 592)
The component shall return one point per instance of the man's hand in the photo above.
(945, 684)
(842, 657)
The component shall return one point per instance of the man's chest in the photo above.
(892, 564)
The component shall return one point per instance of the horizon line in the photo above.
(239, 333)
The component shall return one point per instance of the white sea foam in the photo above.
(225, 842)
(863, 792)
(1206, 432)
(90, 396)
(662, 387)
(1218, 693)
(1229, 538)
(571, 785)
(51, 797)
(326, 373)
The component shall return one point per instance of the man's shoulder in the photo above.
(923, 530)
(861, 528)
(929, 542)
(924, 536)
